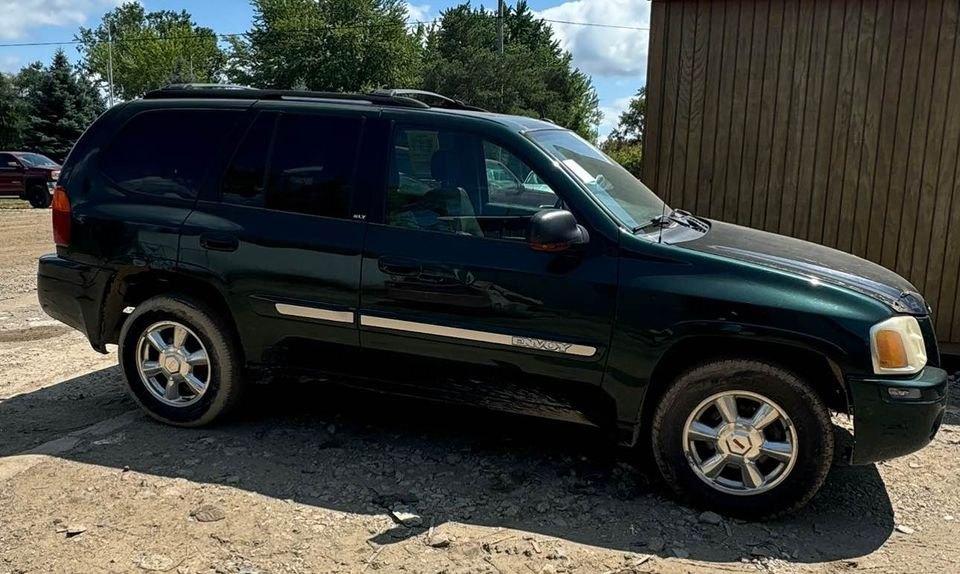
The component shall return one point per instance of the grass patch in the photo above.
(13, 203)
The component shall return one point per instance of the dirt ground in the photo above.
(307, 478)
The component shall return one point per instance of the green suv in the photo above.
(222, 237)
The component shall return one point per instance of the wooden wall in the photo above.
(836, 121)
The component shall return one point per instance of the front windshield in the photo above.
(37, 160)
(629, 200)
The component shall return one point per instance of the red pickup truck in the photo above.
(29, 176)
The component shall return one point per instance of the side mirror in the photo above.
(556, 230)
(13, 164)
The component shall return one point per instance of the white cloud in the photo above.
(604, 51)
(417, 12)
(18, 17)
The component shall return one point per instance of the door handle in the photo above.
(399, 266)
(219, 242)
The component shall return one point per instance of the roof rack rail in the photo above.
(442, 101)
(225, 91)
(201, 86)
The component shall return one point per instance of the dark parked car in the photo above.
(29, 176)
(218, 236)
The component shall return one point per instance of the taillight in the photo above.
(61, 217)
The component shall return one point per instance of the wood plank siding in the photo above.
(835, 121)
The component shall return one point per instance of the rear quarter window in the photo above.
(167, 153)
(308, 169)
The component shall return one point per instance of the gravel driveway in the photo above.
(319, 479)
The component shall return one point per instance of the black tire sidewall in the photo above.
(807, 412)
(39, 197)
(224, 370)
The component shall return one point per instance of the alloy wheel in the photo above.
(173, 364)
(739, 442)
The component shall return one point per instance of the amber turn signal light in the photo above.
(891, 354)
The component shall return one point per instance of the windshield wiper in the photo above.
(689, 219)
(660, 221)
(680, 216)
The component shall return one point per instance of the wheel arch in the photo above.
(811, 365)
(133, 288)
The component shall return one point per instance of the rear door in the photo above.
(455, 299)
(280, 239)
(11, 175)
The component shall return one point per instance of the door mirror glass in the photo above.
(556, 230)
(13, 164)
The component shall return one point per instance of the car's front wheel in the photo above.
(181, 361)
(39, 197)
(742, 437)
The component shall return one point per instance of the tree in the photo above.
(334, 45)
(633, 121)
(150, 50)
(61, 104)
(13, 114)
(625, 142)
(533, 77)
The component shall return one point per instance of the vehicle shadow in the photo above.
(363, 453)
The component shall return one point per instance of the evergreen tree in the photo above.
(533, 77)
(335, 45)
(61, 103)
(13, 114)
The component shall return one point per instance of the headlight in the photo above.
(897, 346)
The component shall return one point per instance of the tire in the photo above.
(39, 197)
(688, 465)
(205, 330)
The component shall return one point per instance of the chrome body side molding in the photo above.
(480, 336)
(315, 313)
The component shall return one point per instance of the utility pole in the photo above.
(500, 25)
(110, 59)
(500, 43)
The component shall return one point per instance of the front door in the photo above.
(453, 297)
(280, 239)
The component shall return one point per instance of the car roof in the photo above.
(515, 123)
(382, 99)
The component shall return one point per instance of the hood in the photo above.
(810, 260)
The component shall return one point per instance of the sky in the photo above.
(616, 58)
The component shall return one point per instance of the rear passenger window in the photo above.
(310, 169)
(167, 152)
(246, 178)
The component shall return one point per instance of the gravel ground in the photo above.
(322, 480)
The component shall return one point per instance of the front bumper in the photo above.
(886, 427)
(72, 293)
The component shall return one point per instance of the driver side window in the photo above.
(454, 182)
(512, 185)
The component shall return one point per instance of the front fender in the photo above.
(665, 301)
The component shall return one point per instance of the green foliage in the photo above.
(625, 143)
(59, 105)
(13, 114)
(535, 77)
(334, 45)
(633, 121)
(629, 155)
(150, 50)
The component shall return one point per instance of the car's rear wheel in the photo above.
(743, 437)
(181, 361)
